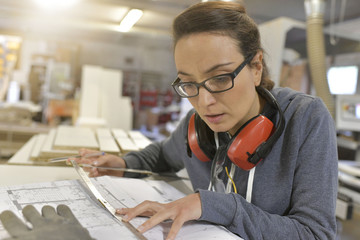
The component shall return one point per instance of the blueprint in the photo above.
(119, 192)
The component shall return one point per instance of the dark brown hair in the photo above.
(225, 18)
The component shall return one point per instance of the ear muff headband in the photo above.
(261, 139)
(252, 142)
(247, 140)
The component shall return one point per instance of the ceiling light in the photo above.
(130, 19)
(55, 4)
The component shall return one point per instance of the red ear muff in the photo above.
(249, 145)
(200, 139)
(247, 141)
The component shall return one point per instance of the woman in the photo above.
(292, 192)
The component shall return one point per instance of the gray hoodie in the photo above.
(294, 187)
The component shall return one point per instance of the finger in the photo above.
(154, 220)
(124, 211)
(66, 212)
(49, 212)
(13, 224)
(33, 216)
(94, 172)
(175, 228)
(147, 207)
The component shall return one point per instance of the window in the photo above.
(342, 79)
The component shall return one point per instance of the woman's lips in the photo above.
(214, 118)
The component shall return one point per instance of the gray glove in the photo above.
(50, 226)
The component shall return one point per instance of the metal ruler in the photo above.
(102, 200)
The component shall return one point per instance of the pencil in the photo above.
(62, 159)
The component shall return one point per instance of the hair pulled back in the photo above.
(225, 18)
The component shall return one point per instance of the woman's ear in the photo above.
(257, 67)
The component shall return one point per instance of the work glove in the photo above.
(51, 225)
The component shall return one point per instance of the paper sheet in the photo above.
(119, 192)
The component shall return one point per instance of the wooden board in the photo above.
(36, 150)
(106, 141)
(47, 150)
(118, 132)
(74, 138)
(139, 139)
(23, 155)
(126, 144)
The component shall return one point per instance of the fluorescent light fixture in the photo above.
(55, 4)
(130, 19)
(218, 0)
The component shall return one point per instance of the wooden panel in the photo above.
(106, 141)
(68, 137)
(23, 155)
(126, 144)
(118, 133)
(35, 153)
(47, 150)
(139, 139)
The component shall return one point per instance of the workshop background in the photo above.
(60, 61)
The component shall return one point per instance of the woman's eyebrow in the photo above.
(209, 70)
(217, 66)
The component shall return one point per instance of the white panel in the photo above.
(22, 156)
(126, 145)
(35, 153)
(106, 141)
(118, 133)
(68, 137)
(90, 98)
(47, 150)
(273, 34)
(348, 112)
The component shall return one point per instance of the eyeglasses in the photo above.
(217, 84)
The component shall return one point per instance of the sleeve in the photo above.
(165, 156)
(311, 212)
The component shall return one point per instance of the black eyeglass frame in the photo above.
(233, 75)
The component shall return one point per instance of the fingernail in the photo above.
(95, 163)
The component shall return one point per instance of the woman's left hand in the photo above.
(180, 211)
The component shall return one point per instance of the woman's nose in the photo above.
(205, 98)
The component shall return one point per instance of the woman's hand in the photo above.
(107, 160)
(180, 211)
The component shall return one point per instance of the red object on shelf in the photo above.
(148, 98)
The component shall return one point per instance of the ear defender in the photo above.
(249, 145)
(245, 143)
(201, 139)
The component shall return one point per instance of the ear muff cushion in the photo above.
(249, 138)
(200, 139)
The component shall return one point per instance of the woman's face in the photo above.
(204, 55)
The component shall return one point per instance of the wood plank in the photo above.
(136, 134)
(106, 141)
(139, 139)
(35, 153)
(47, 150)
(74, 138)
(141, 143)
(118, 133)
(126, 145)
